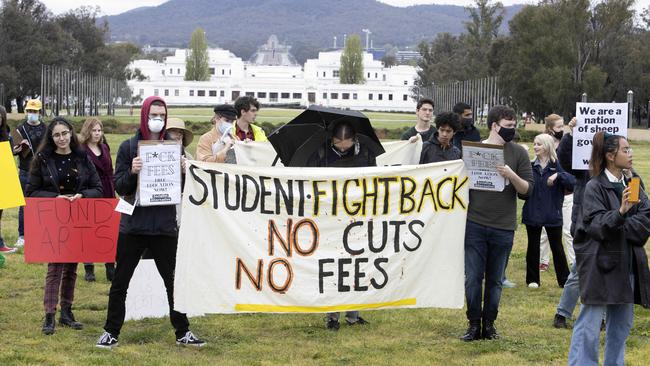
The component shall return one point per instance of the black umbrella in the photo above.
(311, 128)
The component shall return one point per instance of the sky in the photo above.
(111, 7)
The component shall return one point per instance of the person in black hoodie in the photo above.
(61, 169)
(440, 147)
(467, 131)
(152, 227)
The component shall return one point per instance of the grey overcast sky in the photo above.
(110, 7)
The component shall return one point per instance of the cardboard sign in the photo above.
(481, 161)
(60, 231)
(592, 118)
(12, 193)
(159, 181)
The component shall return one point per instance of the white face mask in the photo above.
(224, 127)
(156, 124)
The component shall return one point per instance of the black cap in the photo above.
(226, 110)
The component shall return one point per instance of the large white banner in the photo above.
(262, 153)
(282, 240)
(592, 118)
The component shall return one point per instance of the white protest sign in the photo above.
(262, 153)
(159, 181)
(147, 296)
(592, 118)
(286, 240)
(481, 161)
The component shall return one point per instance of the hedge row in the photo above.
(114, 126)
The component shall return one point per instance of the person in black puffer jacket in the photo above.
(61, 169)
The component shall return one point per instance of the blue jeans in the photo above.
(570, 294)
(486, 254)
(585, 340)
(23, 176)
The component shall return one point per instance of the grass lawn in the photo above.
(403, 337)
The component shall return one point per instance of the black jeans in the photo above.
(532, 254)
(129, 251)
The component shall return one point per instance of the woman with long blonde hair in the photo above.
(543, 209)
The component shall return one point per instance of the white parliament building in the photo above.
(273, 77)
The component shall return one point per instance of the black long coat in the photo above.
(603, 239)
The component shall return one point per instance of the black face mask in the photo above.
(558, 134)
(507, 134)
(467, 123)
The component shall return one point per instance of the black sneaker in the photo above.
(106, 341)
(333, 325)
(489, 330)
(189, 340)
(560, 322)
(473, 332)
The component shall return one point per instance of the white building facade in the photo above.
(385, 89)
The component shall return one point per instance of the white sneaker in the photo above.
(508, 284)
(189, 339)
(20, 242)
(533, 285)
(106, 341)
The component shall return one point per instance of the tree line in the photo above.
(555, 51)
(30, 36)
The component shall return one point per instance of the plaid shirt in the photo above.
(244, 135)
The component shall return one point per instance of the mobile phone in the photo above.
(634, 184)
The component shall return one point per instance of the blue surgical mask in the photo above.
(32, 117)
(225, 127)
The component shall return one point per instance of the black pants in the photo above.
(532, 254)
(129, 250)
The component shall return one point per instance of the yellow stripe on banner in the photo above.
(263, 308)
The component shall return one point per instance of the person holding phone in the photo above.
(610, 254)
(61, 169)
